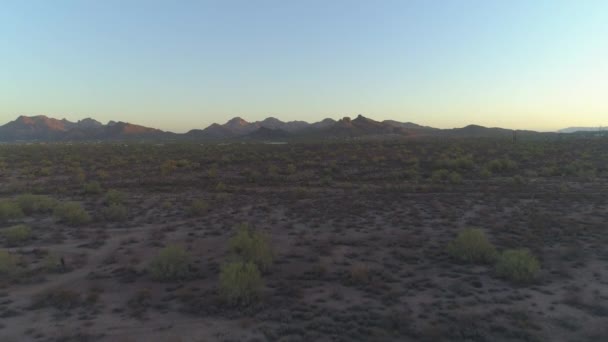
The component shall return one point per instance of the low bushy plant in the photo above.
(252, 246)
(115, 213)
(240, 283)
(471, 245)
(8, 263)
(71, 213)
(17, 235)
(35, 204)
(172, 263)
(517, 265)
(9, 210)
(92, 188)
(115, 197)
(198, 207)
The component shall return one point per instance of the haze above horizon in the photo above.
(539, 65)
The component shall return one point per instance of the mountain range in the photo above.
(43, 128)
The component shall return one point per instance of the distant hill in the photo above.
(43, 128)
(582, 129)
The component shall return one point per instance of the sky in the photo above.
(177, 64)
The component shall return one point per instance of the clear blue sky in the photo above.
(177, 64)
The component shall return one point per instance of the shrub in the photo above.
(517, 265)
(455, 177)
(115, 197)
(471, 245)
(62, 299)
(35, 204)
(8, 263)
(52, 263)
(115, 213)
(9, 211)
(252, 246)
(198, 207)
(501, 165)
(172, 263)
(440, 175)
(71, 213)
(18, 234)
(92, 188)
(240, 283)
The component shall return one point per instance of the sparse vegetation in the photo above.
(115, 212)
(517, 265)
(8, 263)
(17, 235)
(240, 283)
(341, 244)
(71, 213)
(35, 204)
(93, 188)
(198, 207)
(9, 210)
(115, 197)
(172, 263)
(252, 246)
(471, 245)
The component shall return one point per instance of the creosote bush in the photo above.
(92, 188)
(71, 213)
(8, 263)
(35, 204)
(115, 197)
(471, 245)
(253, 247)
(17, 235)
(170, 264)
(198, 207)
(115, 212)
(9, 210)
(517, 265)
(240, 283)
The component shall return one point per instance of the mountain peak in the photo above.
(237, 121)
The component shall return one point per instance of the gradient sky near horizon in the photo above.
(177, 65)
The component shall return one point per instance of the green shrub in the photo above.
(240, 283)
(252, 246)
(115, 197)
(9, 211)
(471, 245)
(35, 204)
(170, 264)
(71, 213)
(18, 234)
(501, 165)
(455, 177)
(52, 263)
(8, 263)
(440, 175)
(92, 188)
(198, 207)
(517, 265)
(115, 212)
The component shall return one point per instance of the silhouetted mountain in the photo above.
(213, 132)
(42, 128)
(238, 126)
(582, 129)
